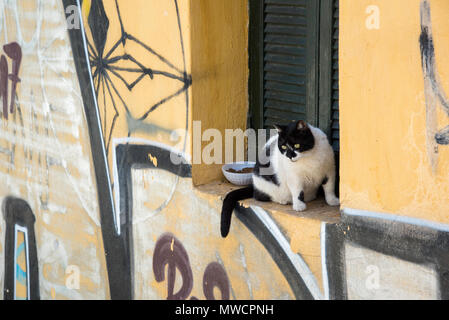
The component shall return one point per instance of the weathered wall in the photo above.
(219, 37)
(92, 180)
(45, 159)
(394, 161)
(390, 159)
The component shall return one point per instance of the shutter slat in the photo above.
(282, 115)
(286, 9)
(284, 106)
(285, 39)
(283, 58)
(286, 19)
(301, 3)
(282, 68)
(282, 87)
(286, 97)
(282, 49)
(285, 29)
(284, 78)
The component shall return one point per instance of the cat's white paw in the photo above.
(333, 201)
(299, 206)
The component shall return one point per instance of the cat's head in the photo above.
(295, 139)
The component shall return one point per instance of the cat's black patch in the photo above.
(325, 180)
(261, 196)
(295, 133)
(301, 196)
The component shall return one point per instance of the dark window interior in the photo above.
(293, 50)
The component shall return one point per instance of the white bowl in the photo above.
(240, 179)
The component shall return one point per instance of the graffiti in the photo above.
(14, 52)
(129, 156)
(434, 91)
(21, 267)
(379, 256)
(102, 68)
(215, 277)
(170, 252)
(295, 270)
(106, 65)
(82, 146)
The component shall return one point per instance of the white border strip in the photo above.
(323, 261)
(18, 229)
(299, 264)
(393, 217)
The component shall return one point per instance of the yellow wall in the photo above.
(45, 154)
(384, 162)
(219, 37)
(154, 24)
(47, 151)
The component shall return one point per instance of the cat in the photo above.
(292, 166)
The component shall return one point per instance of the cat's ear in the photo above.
(300, 125)
(279, 128)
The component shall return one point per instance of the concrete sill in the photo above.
(316, 210)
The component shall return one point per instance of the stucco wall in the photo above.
(390, 160)
(99, 201)
(45, 156)
(219, 37)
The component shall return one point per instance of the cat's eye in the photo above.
(284, 147)
(297, 146)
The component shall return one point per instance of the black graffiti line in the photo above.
(107, 64)
(116, 252)
(93, 53)
(17, 212)
(114, 119)
(155, 72)
(97, 87)
(144, 70)
(258, 228)
(116, 92)
(118, 248)
(105, 120)
(429, 67)
(126, 36)
(180, 36)
(186, 77)
(162, 101)
(128, 85)
(119, 17)
(418, 244)
(160, 57)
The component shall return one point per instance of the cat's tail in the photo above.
(229, 203)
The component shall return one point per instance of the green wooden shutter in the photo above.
(289, 57)
(294, 63)
(283, 79)
(335, 77)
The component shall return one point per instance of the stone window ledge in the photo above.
(316, 210)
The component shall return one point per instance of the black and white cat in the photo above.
(291, 168)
